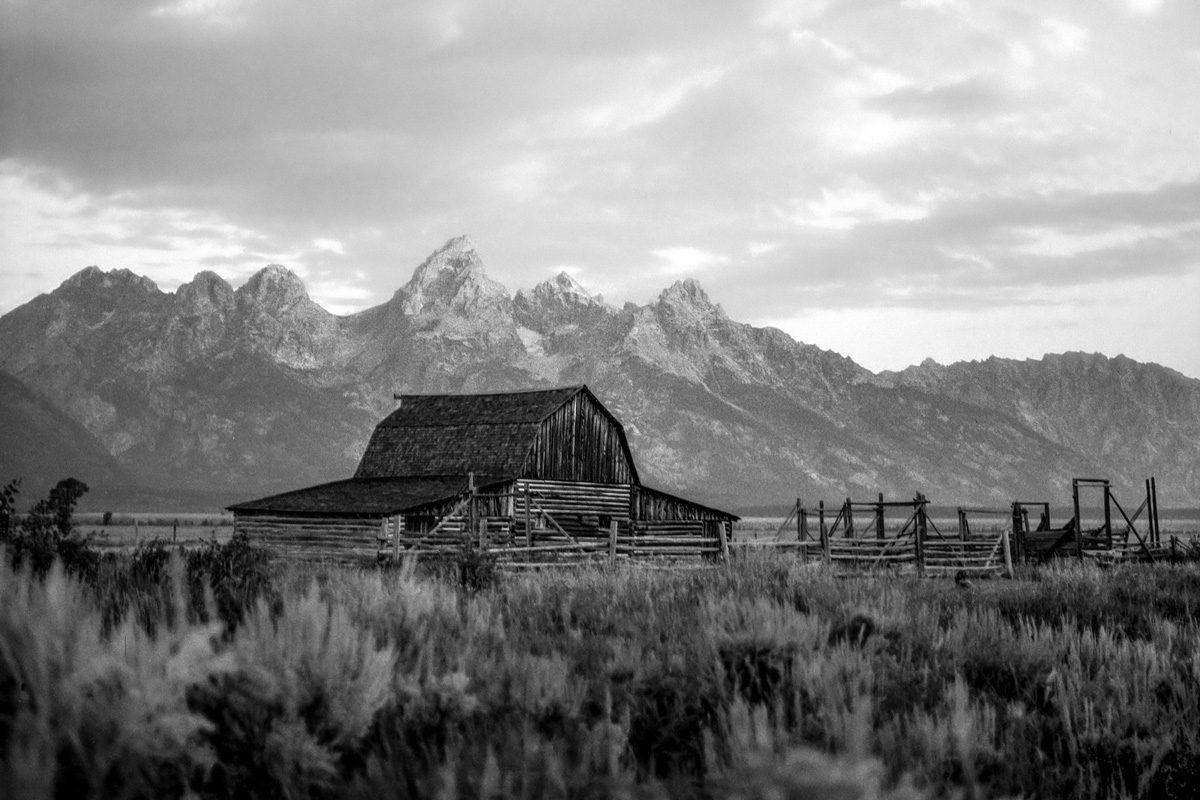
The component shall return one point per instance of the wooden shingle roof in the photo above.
(488, 434)
(364, 496)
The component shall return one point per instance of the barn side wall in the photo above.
(580, 509)
(580, 442)
(660, 513)
(338, 539)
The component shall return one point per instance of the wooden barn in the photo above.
(530, 476)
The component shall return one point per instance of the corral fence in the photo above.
(880, 536)
(1117, 535)
(867, 536)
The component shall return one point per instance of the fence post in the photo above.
(921, 532)
(1078, 519)
(801, 521)
(879, 519)
(849, 520)
(1018, 535)
(612, 542)
(1004, 543)
(825, 554)
(1154, 516)
(471, 510)
(724, 541)
(528, 524)
(1108, 514)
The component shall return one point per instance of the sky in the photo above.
(895, 180)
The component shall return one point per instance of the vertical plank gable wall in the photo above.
(579, 442)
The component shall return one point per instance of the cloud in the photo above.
(1064, 38)
(687, 260)
(850, 205)
(1144, 7)
(976, 96)
(329, 246)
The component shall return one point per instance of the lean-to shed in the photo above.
(516, 468)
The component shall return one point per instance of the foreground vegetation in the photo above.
(218, 675)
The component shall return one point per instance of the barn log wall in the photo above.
(581, 442)
(653, 509)
(649, 504)
(335, 539)
(580, 509)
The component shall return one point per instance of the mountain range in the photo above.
(223, 393)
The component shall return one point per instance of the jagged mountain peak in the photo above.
(95, 279)
(451, 278)
(685, 292)
(687, 300)
(565, 282)
(564, 288)
(205, 290)
(273, 286)
(557, 303)
(457, 244)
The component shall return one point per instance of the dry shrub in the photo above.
(83, 714)
(306, 686)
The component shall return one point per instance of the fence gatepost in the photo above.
(1004, 543)
(879, 519)
(1018, 532)
(802, 530)
(528, 523)
(612, 542)
(922, 524)
(469, 528)
(1108, 515)
(724, 541)
(825, 554)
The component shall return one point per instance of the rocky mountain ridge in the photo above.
(259, 389)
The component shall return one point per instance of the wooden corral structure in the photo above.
(1123, 538)
(862, 537)
(533, 477)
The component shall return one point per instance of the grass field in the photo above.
(159, 678)
(123, 531)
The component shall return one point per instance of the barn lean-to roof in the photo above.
(366, 496)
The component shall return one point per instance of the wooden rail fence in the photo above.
(857, 539)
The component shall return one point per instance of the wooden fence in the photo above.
(556, 546)
(861, 538)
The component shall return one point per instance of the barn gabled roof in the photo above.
(456, 434)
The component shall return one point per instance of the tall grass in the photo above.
(760, 679)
